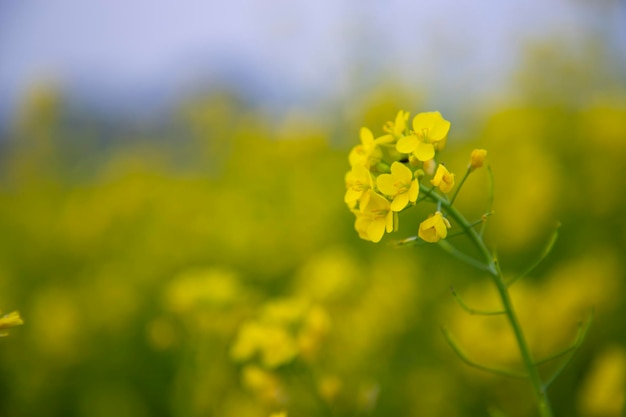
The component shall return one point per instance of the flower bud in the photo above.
(477, 159)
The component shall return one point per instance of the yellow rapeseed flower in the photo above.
(358, 182)
(375, 219)
(434, 228)
(399, 185)
(443, 179)
(397, 128)
(429, 129)
(367, 152)
(477, 159)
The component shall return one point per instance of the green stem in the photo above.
(456, 192)
(495, 273)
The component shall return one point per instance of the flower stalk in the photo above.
(492, 267)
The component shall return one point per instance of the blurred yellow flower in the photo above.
(272, 342)
(399, 185)
(375, 219)
(280, 414)
(212, 287)
(397, 128)
(10, 320)
(284, 330)
(263, 383)
(443, 179)
(602, 393)
(429, 129)
(315, 326)
(358, 182)
(284, 311)
(434, 228)
(477, 159)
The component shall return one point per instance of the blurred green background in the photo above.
(137, 256)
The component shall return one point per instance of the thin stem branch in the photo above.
(490, 198)
(582, 332)
(542, 256)
(474, 311)
(456, 192)
(445, 245)
(457, 349)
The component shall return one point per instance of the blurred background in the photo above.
(171, 192)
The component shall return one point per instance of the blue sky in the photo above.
(122, 51)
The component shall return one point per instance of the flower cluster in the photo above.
(385, 174)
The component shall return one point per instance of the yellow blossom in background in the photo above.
(284, 310)
(271, 341)
(443, 179)
(358, 182)
(329, 387)
(191, 289)
(375, 219)
(285, 329)
(434, 228)
(477, 159)
(429, 129)
(603, 391)
(315, 327)
(278, 347)
(263, 383)
(10, 320)
(279, 414)
(399, 185)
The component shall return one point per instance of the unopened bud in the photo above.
(383, 167)
(477, 159)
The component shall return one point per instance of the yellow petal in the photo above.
(360, 225)
(401, 173)
(426, 120)
(441, 171)
(433, 124)
(367, 137)
(391, 220)
(385, 183)
(400, 123)
(414, 191)
(446, 222)
(400, 202)
(441, 229)
(447, 184)
(407, 144)
(357, 156)
(352, 197)
(430, 221)
(376, 229)
(424, 151)
(427, 234)
(384, 139)
(364, 201)
(439, 131)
